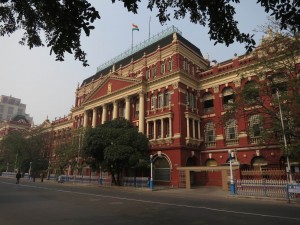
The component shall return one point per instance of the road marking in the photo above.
(160, 203)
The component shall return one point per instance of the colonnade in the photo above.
(194, 121)
(104, 115)
(165, 127)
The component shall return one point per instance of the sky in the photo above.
(47, 87)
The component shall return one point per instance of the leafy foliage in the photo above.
(22, 148)
(276, 85)
(116, 145)
(61, 22)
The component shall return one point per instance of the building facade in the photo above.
(11, 106)
(175, 96)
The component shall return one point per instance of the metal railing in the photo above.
(140, 46)
(268, 188)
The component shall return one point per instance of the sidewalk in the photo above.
(195, 192)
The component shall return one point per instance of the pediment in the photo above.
(111, 85)
(45, 124)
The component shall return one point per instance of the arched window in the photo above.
(259, 161)
(231, 132)
(255, 128)
(228, 97)
(208, 102)
(210, 137)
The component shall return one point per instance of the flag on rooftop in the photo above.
(135, 27)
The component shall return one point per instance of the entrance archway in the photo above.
(162, 169)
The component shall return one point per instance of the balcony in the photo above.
(232, 142)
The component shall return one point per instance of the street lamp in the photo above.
(29, 172)
(288, 169)
(284, 139)
(232, 186)
(100, 174)
(151, 172)
(7, 164)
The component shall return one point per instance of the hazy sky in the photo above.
(48, 87)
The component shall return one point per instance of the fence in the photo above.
(268, 188)
(140, 182)
(79, 179)
(268, 182)
(271, 174)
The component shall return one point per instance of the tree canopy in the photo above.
(61, 22)
(272, 91)
(116, 145)
(20, 148)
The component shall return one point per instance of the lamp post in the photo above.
(7, 164)
(288, 169)
(232, 186)
(100, 174)
(48, 172)
(151, 172)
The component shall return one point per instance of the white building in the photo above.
(10, 106)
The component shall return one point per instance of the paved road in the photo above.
(61, 204)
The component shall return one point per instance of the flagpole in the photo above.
(131, 39)
(149, 26)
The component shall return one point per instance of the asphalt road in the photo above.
(46, 203)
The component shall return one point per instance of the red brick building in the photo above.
(176, 97)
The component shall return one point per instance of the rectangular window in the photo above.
(154, 71)
(170, 64)
(160, 101)
(167, 128)
(148, 74)
(153, 102)
(162, 68)
(167, 99)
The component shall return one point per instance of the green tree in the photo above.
(23, 147)
(61, 22)
(69, 152)
(117, 145)
(276, 85)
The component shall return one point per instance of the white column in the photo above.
(187, 128)
(127, 108)
(85, 119)
(194, 129)
(141, 113)
(154, 129)
(147, 129)
(104, 113)
(115, 110)
(94, 117)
